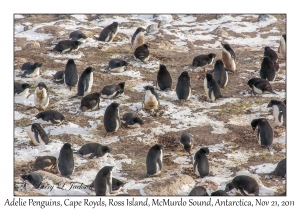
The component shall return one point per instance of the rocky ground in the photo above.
(222, 126)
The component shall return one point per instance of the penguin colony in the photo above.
(222, 61)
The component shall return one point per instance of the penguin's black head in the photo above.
(204, 150)
(158, 146)
(89, 69)
(120, 183)
(37, 64)
(115, 24)
(115, 105)
(226, 46)
(122, 85)
(82, 36)
(138, 120)
(149, 87)
(67, 146)
(254, 123)
(184, 74)
(42, 85)
(26, 177)
(145, 46)
(229, 187)
(212, 55)
(25, 85)
(140, 29)
(40, 115)
(209, 77)
(267, 48)
(219, 63)
(162, 67)
(106, 149)
(71, 61)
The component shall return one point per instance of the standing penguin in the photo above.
(260, 86)
(117, 65)
(280, 169)
(90, 102)
(50, 117)
(183, 87)
(142, 53)
(203, 60)
(264, 133)
(198, 191)
(267, 70)
(113, 91)
(103, 181)
(164, 79)
(245, 184)
(138, 38)
(109, 32)
(78, 36)
(282, 45)
(71, 74)
(228, 57)
(33, 178)
(279, 112)
(220, 73)
(41, 96)
(65, 162)
(151, 100)
(111, 118)
(271, 54)
(200, 162)
(131, 120)
(37, 134)
(21, 89)
(58, 77)
(211, 88)
(31, 69)
(66, 46)
(187, 141)
(85, 82)
(154, 160)
(94, 150)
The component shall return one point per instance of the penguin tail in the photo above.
(70, 88)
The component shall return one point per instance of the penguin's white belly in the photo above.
(135, 125)
(41, 98)
(226, 79)
(82, 40)
(150, 101)
(259, 138)
(282, 46)
(114, 35)
(229, 63)
(33, 140)
(138, 41)
(118, 69)
(35, 73)
(212, 96)
(108, 96)
(23, 93)
(205, 87)
(190, 93)
(90, 84)
(212, 60)
(196, 170)
(146, 59)
(276, 112)
(256, 90)
(66, 50)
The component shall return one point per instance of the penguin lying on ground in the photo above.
(131, 120)
(33, 178)
(66, 46)
(45, 162)
(142, 53)
(203, 60)
(31, 69)
(246, 184)
(50, 117)
(90, 102)
(109, 32)
(21, 89)
(260, 86)
(94, 150)
(113, 91)
(198, 191)
(58, 77)
(78, 36)
(117, 65)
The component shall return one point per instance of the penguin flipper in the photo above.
(242, 191)
(94, 103)
(24, 74)
(280, 116)
(92, 155)
(86, 85)
(210, 92)
(229, 70)
(253, 90)
(36, 135)
(53, 121)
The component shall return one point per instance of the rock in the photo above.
(121, 156)
(20, 60)
(89, 34)
(263, 17)
(168, 187)
(162, 22)
(245, 36)
(218, 16)
(220, 31)
(152, 28)
(32, 45)
(54, 30)
(29, 27)
(155, 16)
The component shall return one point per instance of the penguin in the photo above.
(111, 118)
(117, 65)
(284, 101)
(65, 162)
(279, 112)
(164, 79)
(90, 102)
(220, 73)
(113, 91)
(187, 141)
(211, 88)
(78, 36)
(154, 160)
(203, 60)
(198, 191)
(94, 150)
(131, 120)
(33, 178)
(264, 133)
(31, 69)
(151, 100)
(282, 45)
(37, 134)
(219, 193)
(271, 54)
(280, 169)
(41, 96)
(267, 70)
(103, 181)
(21, 89)
(71, 74)
(200, 162)
(109, 32)
(183, 87)
(142, 53)
(260, 86)
(66, 46)
(85, 82)
(58, 77)
(116, 185)
(246, 184)
(228, 57)
(45, 162)
(138, 38)
(50, 117)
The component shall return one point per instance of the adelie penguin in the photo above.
(138, 38)
(271, 54)
(33, 178)
(198, 191)
(31, 69)
(85, 82)
(50, 117)
(111, 118)
(65, 162)
(151, 100)
(71, 74)
(37, 134)
(211, 88)
(280, 169)
(103, 181)
(154, 160)
(142, 53)
(260, 86)
(264, 132)
(90, 102)
(228, 57)
(131, 120)
(21, 89)
(116, 185)
(219, 193)
(164, 79)
(267, 70)
(187, 141)
(246, 184)
(58, 77)
(220, 73)
(203, 60)
(117, 65)
(279, 112)
(282, 45)
(78, 36)
(45, 162)
(200, 162)
(109, 32)
(183, 87)
(113, 91)
(94, 150)
(41, 96)
(66, 46)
